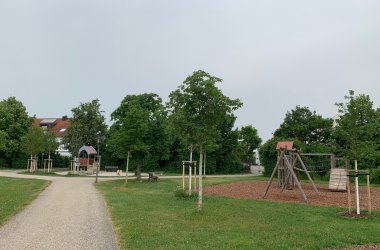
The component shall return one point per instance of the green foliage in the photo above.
(375, 175)
(87, 125)
(14, 124)
(34, 141)
(249, 142)
(140, 128)
(197, 108)
(308, 127)
(357, 134)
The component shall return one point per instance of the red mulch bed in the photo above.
(253, 190)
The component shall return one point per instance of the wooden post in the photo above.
(296, 180)
(195, 176)
(127, 169)
(369, 195)
(190, 171)
(273, 173)
(200, 187)
(183, 176)
(349, 194)
(357, 189)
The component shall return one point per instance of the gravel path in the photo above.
(69, 214)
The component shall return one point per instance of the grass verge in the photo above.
(148, 215)
(15, 194)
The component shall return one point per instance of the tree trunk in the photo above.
(200, 190)
(126, 170)
(138, 172)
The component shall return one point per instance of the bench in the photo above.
(111, 168)
(152, 177)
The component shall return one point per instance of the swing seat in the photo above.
(338, 179)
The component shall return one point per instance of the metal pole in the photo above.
(97, 165)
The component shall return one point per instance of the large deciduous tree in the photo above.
(357, 133)
(87, 125)
(197, 108)
(139, 130)
(14, 124)
(306, 126)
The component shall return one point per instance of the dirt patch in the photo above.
(253, 190)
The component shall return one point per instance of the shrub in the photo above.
(375, 176)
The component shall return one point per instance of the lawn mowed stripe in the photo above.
(147, 215)
(15, 194)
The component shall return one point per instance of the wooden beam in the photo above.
(264, 194)
(297, 181)
(308, 175)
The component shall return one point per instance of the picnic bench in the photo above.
(111, 168)
(152, 177)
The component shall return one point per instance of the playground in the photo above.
(252, 190)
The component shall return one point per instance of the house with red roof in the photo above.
(57, 126)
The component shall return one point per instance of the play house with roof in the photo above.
(87, 160)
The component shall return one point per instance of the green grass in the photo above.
(15, 194)
(148, 215)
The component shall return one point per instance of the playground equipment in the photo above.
(288, 157)
(88, 160)
(356, 173)
(338, 168)
(191, 166)
(32, 164)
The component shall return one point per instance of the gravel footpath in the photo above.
(69, 214)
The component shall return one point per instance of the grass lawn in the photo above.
(148, 215)
(15, 194)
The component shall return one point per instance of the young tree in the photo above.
(197, 107)
(50, 143)
(14, 124)
(34, 142)
(87, 125)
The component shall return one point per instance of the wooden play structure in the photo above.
(32, 164)
(191, 166)
(87, 161)
(287, 160)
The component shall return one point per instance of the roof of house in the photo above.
(89, 150)
(57, 126)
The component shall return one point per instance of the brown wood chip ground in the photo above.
(253, 190)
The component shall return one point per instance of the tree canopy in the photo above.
(87, 125)
(14, 124)
(357, 133)
(306, 126)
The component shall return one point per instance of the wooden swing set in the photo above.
(288, 157)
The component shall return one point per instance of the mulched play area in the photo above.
(253, 190)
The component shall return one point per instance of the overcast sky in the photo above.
(273, 55)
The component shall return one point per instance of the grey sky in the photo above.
(272, 55)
